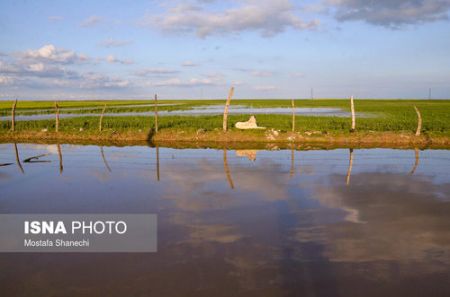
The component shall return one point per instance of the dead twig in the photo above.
(35, 159)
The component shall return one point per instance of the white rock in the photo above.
(250, 124)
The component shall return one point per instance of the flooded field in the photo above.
(362, 222)
(195, 111)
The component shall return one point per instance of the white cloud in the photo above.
(91, 21)
(193, 82)
(189, 64)
(265, 88)
(269, 17)
(256, 72)
(113, 60)
(98, 80)
(261, 73)
(25, 68)
(38, 67)
(296, 74)
(155, 72)
(392, 13)
(47, 68)
(55, 18)
(49, 53)
(6, 80)
(114, 43)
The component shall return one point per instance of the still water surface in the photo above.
(369, 222)
(195, 111)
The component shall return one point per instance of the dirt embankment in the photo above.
(179, 138)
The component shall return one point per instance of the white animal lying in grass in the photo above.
(250, 124)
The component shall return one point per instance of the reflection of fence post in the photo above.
(100, 124)
(157, 163)
(61, 167)
(18, 158)
(293, 115)
(292, 171)
(419, 121)
(104, 159)
(352, 107)
(56, 117)
(13, 115)
(225, 112)
(350, 165)
(227, 169)
(156, 113)
(416, 163)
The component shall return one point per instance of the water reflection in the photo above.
(416, 163)
(104, 159)
(19, 164)
(61, 167)
(350, 166)
(229, 226)
(227, 169)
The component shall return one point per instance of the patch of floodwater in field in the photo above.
(198, 111)
(47, 113)
(371, 222)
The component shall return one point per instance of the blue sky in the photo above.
(199, 48)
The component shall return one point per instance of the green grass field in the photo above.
(387, 115)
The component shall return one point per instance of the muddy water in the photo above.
(239, 223)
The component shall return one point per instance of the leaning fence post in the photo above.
(225, 112)
(56, 117)
(100, 124)
(352, 107)
(419, 121)
(13, 115)
(293, 115)
(156, 113)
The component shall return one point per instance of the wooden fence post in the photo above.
(419, 121)
(156, 113)
(56, 117)
(100, 124)
(293, 115)
(225, 112)
(352, 107)
(13, 115)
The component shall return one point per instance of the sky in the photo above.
(198, 49)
